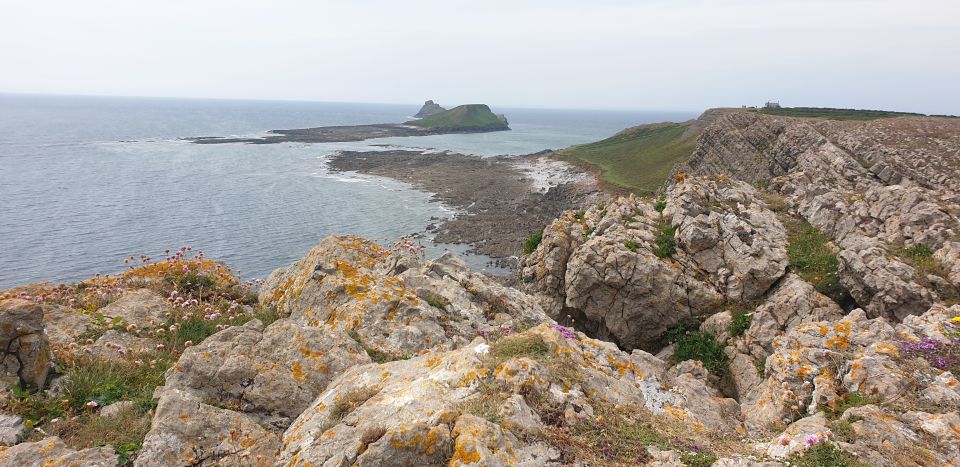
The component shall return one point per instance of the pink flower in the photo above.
(93, 404)
(811, 440)
(188, 344)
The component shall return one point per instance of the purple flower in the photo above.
(564, 331)
(811, 440)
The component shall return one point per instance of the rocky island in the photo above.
(786, 293)
(429, 108)
(469, 118)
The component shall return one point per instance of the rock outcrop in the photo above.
(627, 272)
(883, 190)
(26, 358)
(429, 108)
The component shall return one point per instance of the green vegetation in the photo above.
(849, 400)
(532, 242)
(697, 345)
(638, 159)
(812, 258)
(471, 117)
(920, 258)
(740, 323)
(631, 245)
(823, 455)
(665, 245)
(661, 204)
(700, 459)
(834, 114)
(437, 301)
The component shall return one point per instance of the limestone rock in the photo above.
(53, 451)
(186, 431)
(600, 268)
(794, 438)
(384, 297)
(142, 308)
(27, 358)
(278, 369)
(64, 325)
(11, 427)
(117, 408)
(118, 345)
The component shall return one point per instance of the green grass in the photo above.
(464, 117)
(848, 401)
(812, 258)
(697, 345)
(740, 323)
(532, 242)
(631, 245)
(437, 301)
(637, 159)
(834, 114)
(665, 245)
(823, 455)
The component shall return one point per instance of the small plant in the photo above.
(587, 233)
(811, 257)
(700, 459)
(918, 251)
(665, 245)
(631, 245)
(740, 323)
(698, 345)
(661, 204)
(823, 455)
(521, 345)
(836, 408)
(437, 301)
(580, 215)
(532, 242)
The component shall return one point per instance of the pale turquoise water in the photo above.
(85, 182)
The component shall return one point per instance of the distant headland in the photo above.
(469, 118)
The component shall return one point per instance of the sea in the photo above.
(88, 181)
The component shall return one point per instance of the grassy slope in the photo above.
(637, 159)
(464, 117)
(834, 114)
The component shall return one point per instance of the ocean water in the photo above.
(88, 181)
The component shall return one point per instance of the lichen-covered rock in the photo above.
(396, 304)
(871, 186)
(729, 247)
(420, 405)
(26, 350)
(186, 431)
(795, 438)
(64, 325)
(279, 369)
(142, 308)
(53, 452)
(823, 358)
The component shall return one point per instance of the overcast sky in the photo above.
(644, 54)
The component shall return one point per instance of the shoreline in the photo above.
(499, 200)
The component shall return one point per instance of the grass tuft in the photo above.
(697, 345)
(665, 246)
(532, 242)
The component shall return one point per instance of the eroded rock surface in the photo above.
(26, 357)
(601, 267)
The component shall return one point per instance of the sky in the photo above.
(597, 54)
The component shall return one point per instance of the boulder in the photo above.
(26, 359)
(142, 308)
(186, 431)
(396, 304)
(279, 369)
(600, 270)
(53, 451)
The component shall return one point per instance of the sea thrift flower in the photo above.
(811, 440)
(564, 331)
(93, 404)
